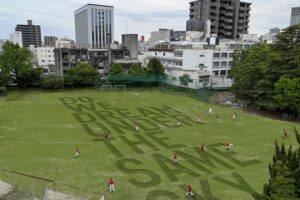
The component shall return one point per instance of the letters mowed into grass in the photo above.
(40, 133)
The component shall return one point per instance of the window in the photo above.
(223, 72)
(216, 55)
(224, 64)
(156, 53)
(178, 53)
(202, 56)
(216, 73)
(216, 64)
(224, 55)
(43, 60)
(164, 54)
(247, 46)
(174, 78)
(191, 81)
(230, 64)
(231, 55)
(232, 46)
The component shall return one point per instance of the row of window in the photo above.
(223, 55)
(221, 73)
(223, 64)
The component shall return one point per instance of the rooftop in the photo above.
(91, 4)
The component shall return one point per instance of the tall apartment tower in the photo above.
(295, 17)
(31, 34)
(229, 18)
(94, 26)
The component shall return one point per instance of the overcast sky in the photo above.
(56, 17)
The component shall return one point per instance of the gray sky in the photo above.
(56, 17)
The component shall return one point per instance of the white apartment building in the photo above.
(16, 38)
(199, 58)
(161, 35)
(43, 56)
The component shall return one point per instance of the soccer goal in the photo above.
(120, 88)
(107, 88)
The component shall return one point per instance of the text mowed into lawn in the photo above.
(121, 123)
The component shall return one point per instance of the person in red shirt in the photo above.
(189, 191)
(175, 158)
(285, 133)
(77, 152)
(110, 184)
(202, 147)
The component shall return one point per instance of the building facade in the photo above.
(49, 41)
(130, 42)
(204, 60)
(31, 34)
(295, 16)
(161, 35)
(94, 26)
(16, 38)
(229, 18)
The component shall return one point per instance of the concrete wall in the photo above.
(130, 42)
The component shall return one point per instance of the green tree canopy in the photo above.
(155, 67)
(136, 70)
(16, 66)
(184, 80)
(257, 71)
(116, 69)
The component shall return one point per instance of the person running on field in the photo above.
(110, 184)
(137, 127)
(199, 120)
(106, 136)
(178, 122)
(189, 191)
(77, 152)
(202, 147)
(210, 111)
(285, 133)
(175, 158)
(234, 116)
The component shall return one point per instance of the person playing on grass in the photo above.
(106, 135)
(199, 120)
(234, 116)
(228, 146)
(217, 117)
(210, 111)
(137, 127)
(178, 122)
(110, 184)
(202, 147)
(77, 153)
(189, 191)
(175, 158)
(285, 133)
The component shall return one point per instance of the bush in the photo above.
(53, 82)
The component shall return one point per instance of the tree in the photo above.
(155, 67)
(16, 66)
(284, 182)
(116, 69)
(136, 70)
(53, 82)
(184, 80)
(287, 94)
(83, 74)
(247, 70)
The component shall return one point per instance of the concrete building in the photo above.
(31, 34)
(1, 44)
(295, 16)
(16, 38)
(161, 35)
(45, 57)
(249, 37)
(49, 41)
(210, 63)
(94, 26)
(229, 18)
(270, 37)
(130, 42)
(179, 36)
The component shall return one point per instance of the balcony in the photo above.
(242, 15)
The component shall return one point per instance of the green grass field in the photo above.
(39, 132)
